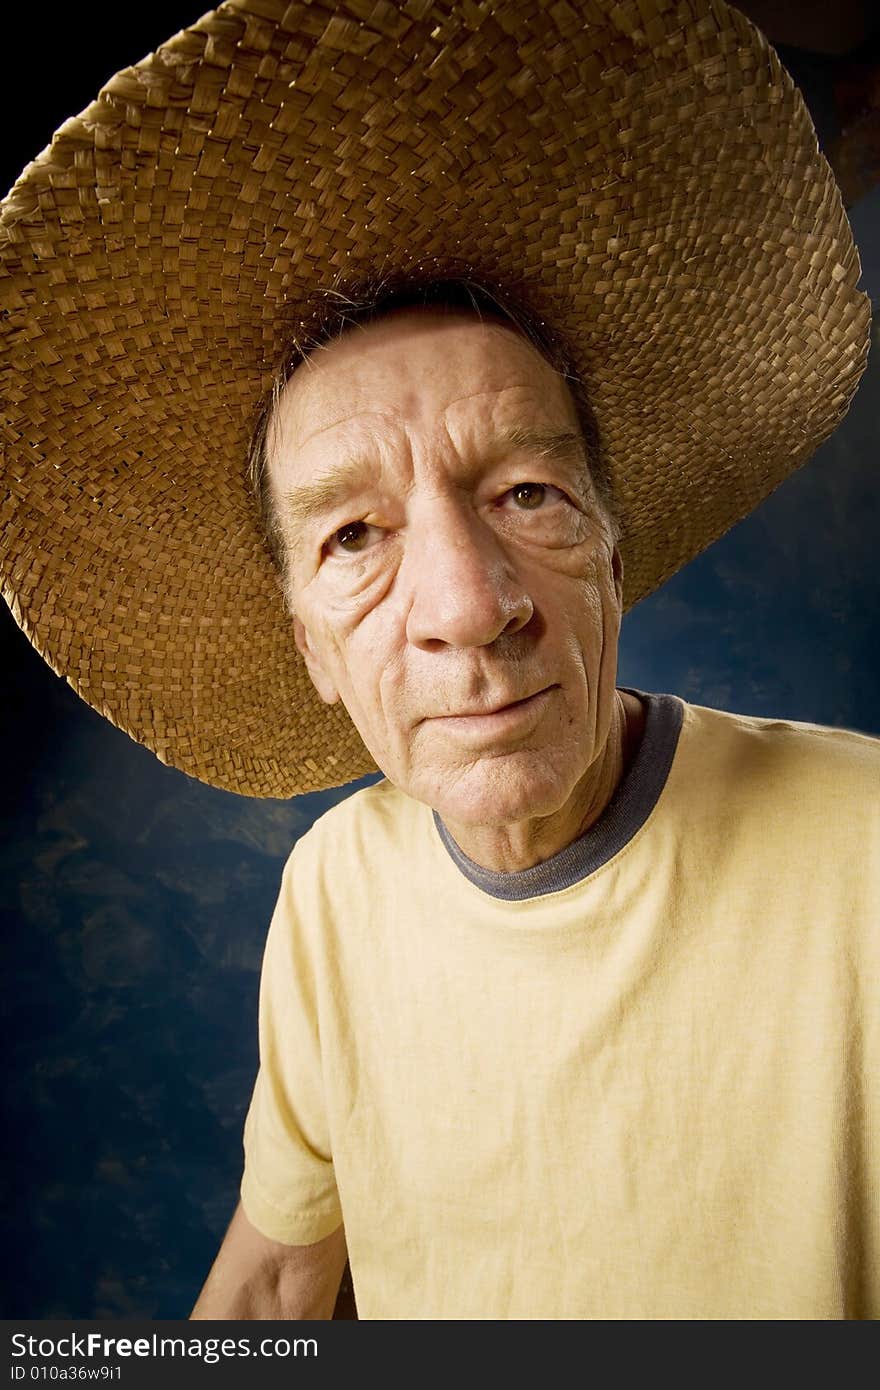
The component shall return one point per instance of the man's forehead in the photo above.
(415, 365)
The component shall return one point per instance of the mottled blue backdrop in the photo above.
(135, 900)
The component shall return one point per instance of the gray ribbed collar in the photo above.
(624, 815)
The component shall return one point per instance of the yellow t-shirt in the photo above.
(644, 1084)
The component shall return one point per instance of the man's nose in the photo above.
(465, 591)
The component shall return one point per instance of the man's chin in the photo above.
(492, 794)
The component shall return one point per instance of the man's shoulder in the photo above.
(787, 737)
(366, 826)
(793, 757)
(355, 854)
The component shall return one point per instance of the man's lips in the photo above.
(497, 711)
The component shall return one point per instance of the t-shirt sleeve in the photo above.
(288, 1188)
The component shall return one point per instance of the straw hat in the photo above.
(644, 168)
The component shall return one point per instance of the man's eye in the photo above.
(351, 538)
(528, 496)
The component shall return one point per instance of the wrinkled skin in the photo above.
(452, 577)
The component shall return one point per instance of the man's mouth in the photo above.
(479, 710)
(497, 715)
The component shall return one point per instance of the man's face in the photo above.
(453, 579)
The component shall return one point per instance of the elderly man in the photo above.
(575, 1027)
(573, 1014)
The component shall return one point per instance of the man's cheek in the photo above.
(348, 593)
(583, 560)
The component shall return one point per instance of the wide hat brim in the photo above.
(645, 171)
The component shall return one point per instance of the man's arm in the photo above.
(255, 1277)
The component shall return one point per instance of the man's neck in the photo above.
(508, 848)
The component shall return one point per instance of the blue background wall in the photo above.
(135, 901)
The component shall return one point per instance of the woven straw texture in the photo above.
(645, 170)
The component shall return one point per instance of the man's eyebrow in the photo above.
(301, 505)
(565, 446)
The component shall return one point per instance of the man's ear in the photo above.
(319, 677)
(617, 571)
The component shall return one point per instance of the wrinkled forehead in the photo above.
(425, 367)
